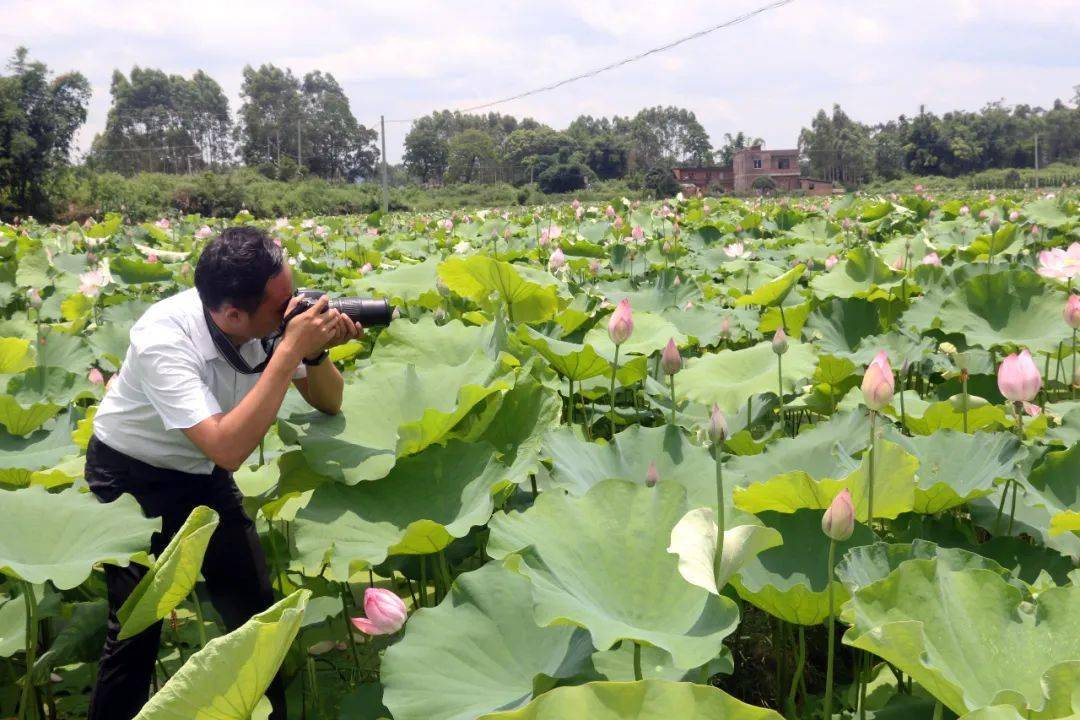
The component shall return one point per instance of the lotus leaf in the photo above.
(729, 377)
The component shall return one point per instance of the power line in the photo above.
(625, 61)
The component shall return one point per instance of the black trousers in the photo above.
(234, 569)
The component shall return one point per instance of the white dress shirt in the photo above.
(172, 378)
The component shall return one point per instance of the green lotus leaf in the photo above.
(791, 581)
(694, 540)
(824, 450)
(618, 664)
(15, 355)
(957, 467)
(172, 576)
(21, 457)
(1006, 308)
(22, 419)
(644, 700)
(863, 566)
(936, 624)
(12, 626)
(478, 276)
(894, 487)
(424, 343)
(52, 384)
(426, 501)
(651, 299)
(1002, 712)
(774, 291)
(488, 656)
(61, 536)
(839, 325)
(651, 334)
(702, 324)
(527, 412)
(80, 636)
(1048, 213)
(133, 271)
(1054, 482)
(862, 274)
(227, 678)
(404, 284)
(571, 360)
(729, 377)
(600, 561)
(65, 351)
(415, 410)
(945, 415)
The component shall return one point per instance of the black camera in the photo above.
(368, 312)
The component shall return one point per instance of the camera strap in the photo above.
(231, 354)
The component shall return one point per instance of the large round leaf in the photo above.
(644, 700)
(729, 377)
(172, 576)
(862, 566)
(774, 291)
(426, 501)
(601, 561)
(1007, 308)
(424, 343)
(651, 334)
(478, 276)
(487, 655)
(227, 678)
(972, 639)
(61, 536)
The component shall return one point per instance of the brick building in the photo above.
(748, 165)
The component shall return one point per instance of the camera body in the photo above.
(369, 312)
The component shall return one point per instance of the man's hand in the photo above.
(317, 328)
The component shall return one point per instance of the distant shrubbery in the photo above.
(1001, 178)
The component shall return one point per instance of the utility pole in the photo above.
(1036, 161)
(299, 151)
(385, 182)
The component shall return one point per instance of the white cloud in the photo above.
(767, 76)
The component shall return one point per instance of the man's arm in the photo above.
(229, 438)
(323, 386)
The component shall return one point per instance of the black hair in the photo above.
(235, 266)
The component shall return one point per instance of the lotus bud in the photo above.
(1014, 216)
(152, 258)
(95, 377)
(677, 281)
(618, 222)
(1071, 313)
(725, 327)
(652, 476)
(638, 232)
(441, 287)
(780, 342)
(983, 214)
(964, 210)
(594, 266)
(34, 298)
(396, 314)
(838, 522)
(667, 247)
(621, 323)
(931, 258)
(995, 223)
(1018, 378)
(1034, 229)
(365, 268)
(576, 204)
(557, 260)
(878, 384)
(609, 211)
(385, 612)
(440, 315)
(718, 428)
(671, 360)
(204, 232)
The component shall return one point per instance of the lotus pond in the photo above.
(536, 459)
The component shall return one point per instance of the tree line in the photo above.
(291, 127)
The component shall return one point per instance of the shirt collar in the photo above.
(200, 333)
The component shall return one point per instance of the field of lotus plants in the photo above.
(720, 458)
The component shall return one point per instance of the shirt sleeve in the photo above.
(173, 383)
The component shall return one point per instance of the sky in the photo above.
(404, 58)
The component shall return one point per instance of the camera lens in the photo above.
(366, 311)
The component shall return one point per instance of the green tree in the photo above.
(763, 184)
(270, 111)
(733, 144)
(661, 180)
(837, 148)
(668, 134)
(333, 144)
(38, 119)
(470, 153)
(427, 151)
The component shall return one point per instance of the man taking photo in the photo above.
(184, 412)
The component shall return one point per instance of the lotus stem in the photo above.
(672, 379)
(939, 710)
(870, 479)
(720, 521)
(345, 605)
(422, 589)
(964, 397)
(903, 408)
(832, 634)
(1046, 385)
(570, 403)
(637, 660)
(780, 383)
(1072, 387)
(614, 370)
(796, 679)
(444, 568)
(29, 692)
(199, 618)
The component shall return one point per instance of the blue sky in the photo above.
(407, 57)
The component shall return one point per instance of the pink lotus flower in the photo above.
(1060, 264)
(307, 224)
(365, 268)
(718, 428)
(780, 342)
(151, 258)
(578, 213)
(279, 224)
(671, 360)
(372, 231)
(1071, 313)
(1035, 230)
(1014, 216)
(618, 222)
(1018, 378)
(557, 260)
(725, 327)
(898, 263)
(621, 323)
(965, 210)
(878, 384)
(609, 211)
(447, 225)
(385, 612)
(838, 522)
(95, 377)
(652, 476)
(918, 188)
(736, 250)
(575, 204)
(321, 231)
(91, 283)
(162, 224)
(205, 232)
(830, 262)
(667, 247)
(1031, 409)
(637, 233)
(931, 258)
(594, 266)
